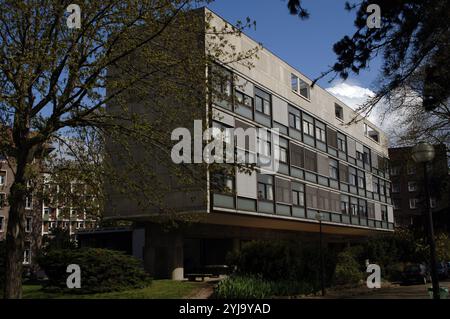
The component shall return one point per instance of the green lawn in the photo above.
(159, 289)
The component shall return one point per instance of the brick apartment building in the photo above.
(41, 219)
(407, 188)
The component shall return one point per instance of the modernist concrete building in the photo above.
(407, 188)
(325, 166)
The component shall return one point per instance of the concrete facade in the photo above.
(331, 168)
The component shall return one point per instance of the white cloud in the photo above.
(353, 95)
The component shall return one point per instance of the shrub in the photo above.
(102, 270)
(347, 269)
(282, 261)
(271, 260)
(238, 287)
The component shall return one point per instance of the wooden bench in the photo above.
(193, 277)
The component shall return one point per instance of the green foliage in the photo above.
(254, 287)
(240, 287)
(348, 270)
(59, 239)
(284, 261)
(102, 270)
(443, 247)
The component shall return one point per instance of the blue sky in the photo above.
(304, 44)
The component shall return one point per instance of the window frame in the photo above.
(266, 187)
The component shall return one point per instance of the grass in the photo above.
(159, 289)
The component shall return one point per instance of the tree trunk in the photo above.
(15, 234)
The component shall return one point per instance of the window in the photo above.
(263, 145)
(310, 160)
(2, 222)
(413, 203)
(299, 86)
(28, 224)
(343, 173)
(2, 200)
(265, 187)
(384, 214)
(359, 156)
(371, 133)
(294, 121)
(243, 99)
(361, 180)
(29, 202)
(332, 137)
(334, 169)
(412, 186)
(297, 155)
(294, 83)
(281, 152)
(298, 194)
(344, 207)
(395, 187)
(338, 111)
(411, 168)
(2, 178)
(222, 182)
(354, 206)
(341, 144)
(262, 102)
(222, 86)
(308, 127)
(396, 203)
(283, 190)
(382, 187)
(352, 176)
(27, 254)
(395, 170)
(320, 134)
(362, 208)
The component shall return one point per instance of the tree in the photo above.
(56, 83)
(414, 36)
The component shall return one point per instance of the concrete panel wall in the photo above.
(244, 85)
(390, 214)
(280, 111)
(223, 117)
(369, 180)
(246, 184)
(377, 211)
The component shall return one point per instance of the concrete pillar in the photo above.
(163, 252)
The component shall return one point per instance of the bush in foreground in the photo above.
(102, 270)
(348, 270)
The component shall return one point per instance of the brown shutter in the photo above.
(311, 197)
(283, 190)
(310, 160)
(335, 202)
(331, 137)
(343, 173)
(323, 199)
(371, 210)
(297, 156)
(323, 165)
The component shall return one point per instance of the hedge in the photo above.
(102, 270)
